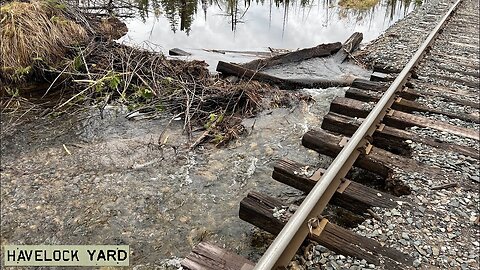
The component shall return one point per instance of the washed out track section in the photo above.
(426, 146)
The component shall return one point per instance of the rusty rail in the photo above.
(287, 242)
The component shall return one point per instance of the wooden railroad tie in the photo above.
(390, 138)
(405, 105)
(258, 209)
(418, 89)
(378, 160)
(354, 196)
(207, 256)
(398, 119)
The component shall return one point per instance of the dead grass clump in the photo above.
(38, 29)
(358, 4)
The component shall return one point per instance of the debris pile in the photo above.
(50, 48)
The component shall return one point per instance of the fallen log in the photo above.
(286, 84)
(296, 56)
(394, 118)
(390, 138)
(262, 211)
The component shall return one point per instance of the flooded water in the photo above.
(246, 25)
(114, 186)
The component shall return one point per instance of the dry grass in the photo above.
(37, 29)
(358, 4)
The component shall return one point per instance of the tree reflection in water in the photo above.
(180, 13)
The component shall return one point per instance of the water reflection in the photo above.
(181, 13)
(194, 25)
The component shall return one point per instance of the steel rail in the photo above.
(290, 238)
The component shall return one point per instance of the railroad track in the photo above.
(431, 103)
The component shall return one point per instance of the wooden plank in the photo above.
(286, 84)
(378, 160)
(355, 108)
(369, 85)
(249, 53)
(296, 56)
(381, 77)
(258, 209)
(356, 197)
(406, 105)
(206, 256)
(349, 46)
(178, 52)
(390, 138)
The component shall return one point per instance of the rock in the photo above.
(321, 248)
(420, 250)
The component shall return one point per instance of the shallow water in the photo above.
(117, 187)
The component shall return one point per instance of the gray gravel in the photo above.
(437, 227)
(439, 104)
(398, 44)
(451, 121)
(444, 136)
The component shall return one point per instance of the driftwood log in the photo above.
(350, 45)
(251, 70)
(286, 84)
(296, 56)
(178, 52)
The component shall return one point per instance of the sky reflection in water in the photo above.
(194, 26)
